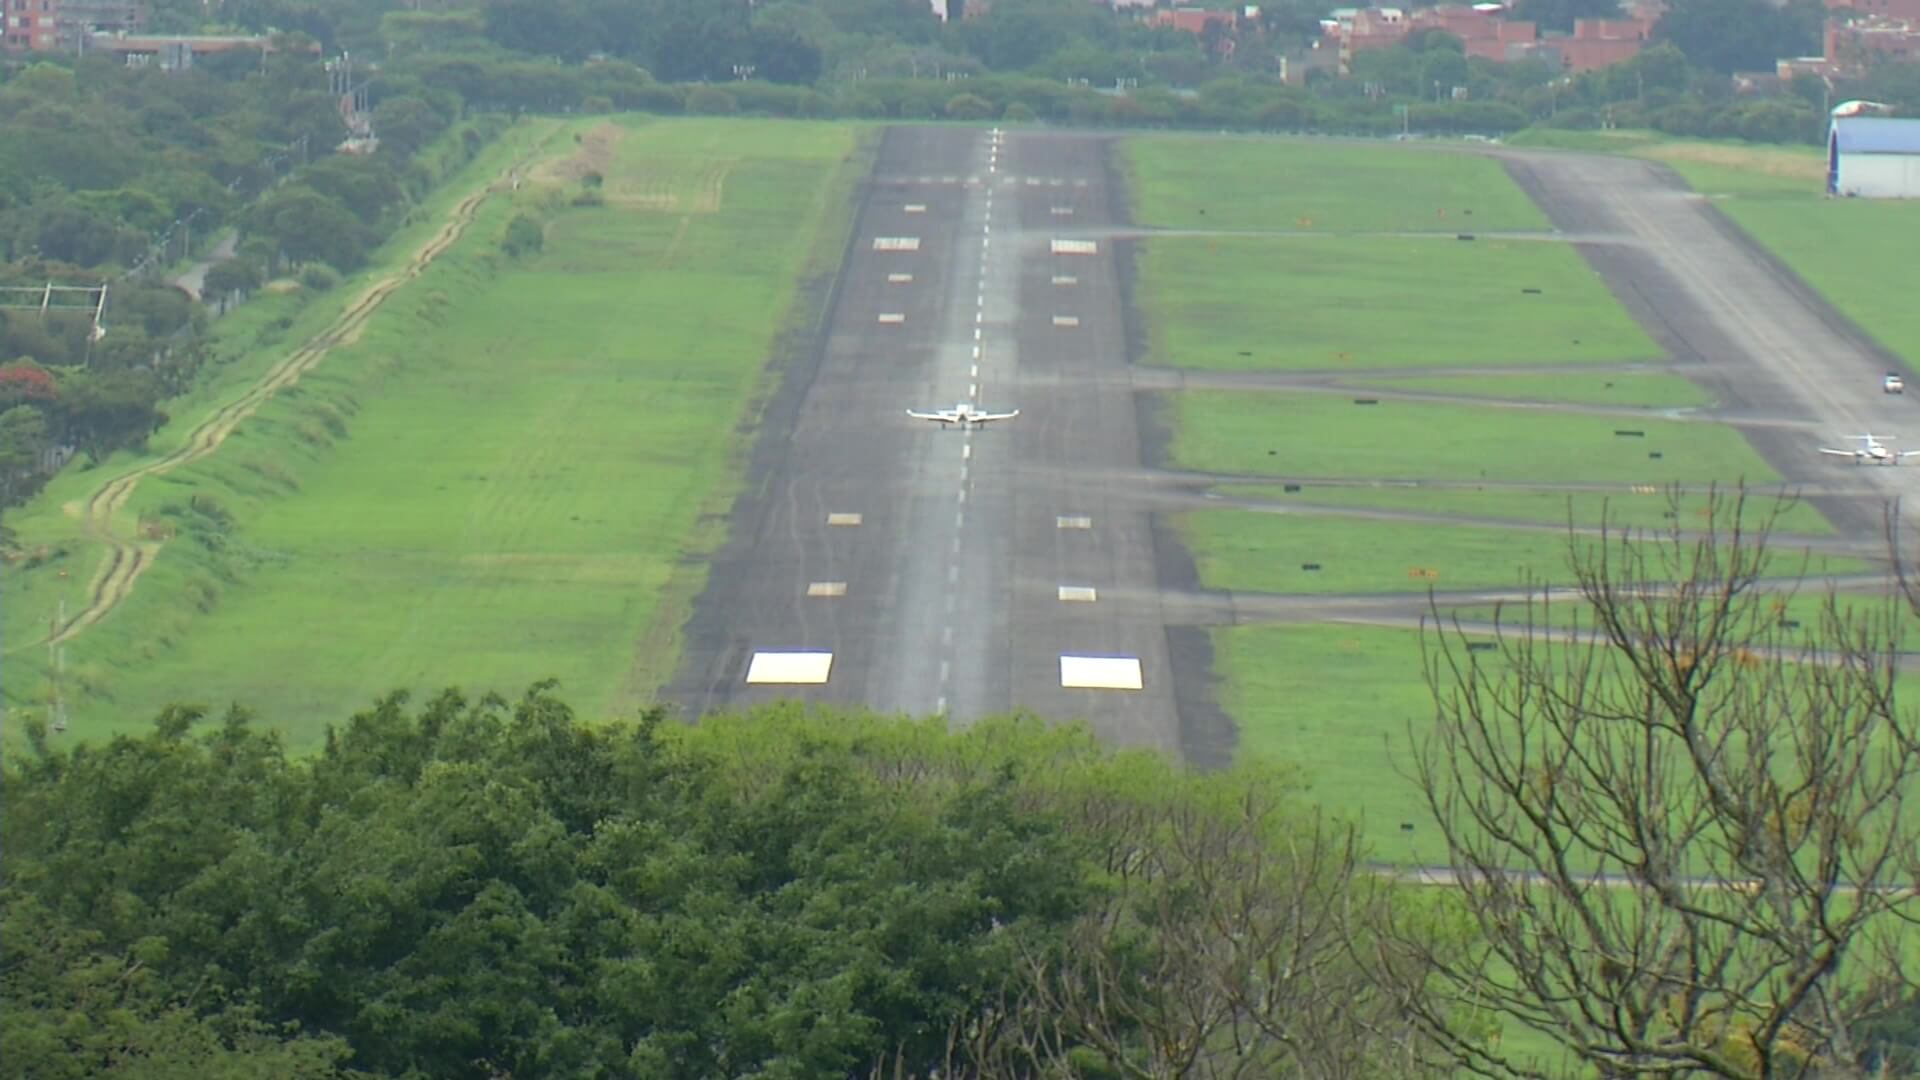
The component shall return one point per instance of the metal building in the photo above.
(1873, 157)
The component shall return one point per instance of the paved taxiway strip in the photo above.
(1711, 296)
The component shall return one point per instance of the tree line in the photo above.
(106, 172)
(1677, 846)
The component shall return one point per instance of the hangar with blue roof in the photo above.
(1873, 157)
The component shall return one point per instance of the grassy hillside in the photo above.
(503, 475)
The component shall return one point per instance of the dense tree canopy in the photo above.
(483, 888)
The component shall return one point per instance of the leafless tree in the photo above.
(1218, 953)
(1677, 820)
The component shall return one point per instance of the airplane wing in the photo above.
(945, 418)
(1908, 453)
(981, 418)
(1840, 453)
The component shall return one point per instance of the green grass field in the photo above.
(1363, 302)
(1311, 435)
(1250, 551)
(1245, 550)
(1336, 702)
(1626, 390)
(1632, 510)
(1214, 183)
(502, 478)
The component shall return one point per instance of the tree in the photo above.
(405, 124)
(232, 276)
(1741, 35)
(1680, 829)
(1219, 947)
(782, 56)
(524, 235)
(75, 1011)
(308, 225)
(23, 435)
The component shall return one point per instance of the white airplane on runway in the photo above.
(963, 414)
(1871, 449)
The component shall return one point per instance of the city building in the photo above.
(63, 25)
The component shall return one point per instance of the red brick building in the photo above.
(28, 25)
(63, 25)
(1192, 20)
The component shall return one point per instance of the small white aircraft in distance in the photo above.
(1871, 448)
(963, 414)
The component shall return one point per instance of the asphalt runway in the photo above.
(952, 579)
(948, 571)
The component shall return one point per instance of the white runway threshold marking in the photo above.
(1063, 211)
(1076, 247)
(1073, 522)
(1100, 672)
(893, 318)
(899, 279)
(1080, 594)
(916, 208)
(1065, 279)
(843, 519)
(896, 243)
(790, 668)
(827, 588)
(1066, 320)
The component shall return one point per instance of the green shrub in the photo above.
(319, 277)
(711, 101)
(524, 236)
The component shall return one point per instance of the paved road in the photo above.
(952, 576)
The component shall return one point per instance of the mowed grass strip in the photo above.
(1335, 703)
(1242, 303)
(1249, 551)
(1303, 435)
(496, 482)
(1193, 182)
(1629, 390)
(1650, 509)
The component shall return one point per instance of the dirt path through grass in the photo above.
(127, 558)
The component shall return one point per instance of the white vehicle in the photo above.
(964, 414)
(1893, 383)
(1871, 448)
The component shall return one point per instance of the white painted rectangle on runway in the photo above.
(843, 519)
(1080, 594)
(899, 279)
(1076, 247)
(790, 668)
(1063, 211)
(1033, 181)
(896, 243)
(1100, 672)
(827, 588)
(1065, 279)
(916, 208)
(893, 318)
(1066, 320)
(1073, 522)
